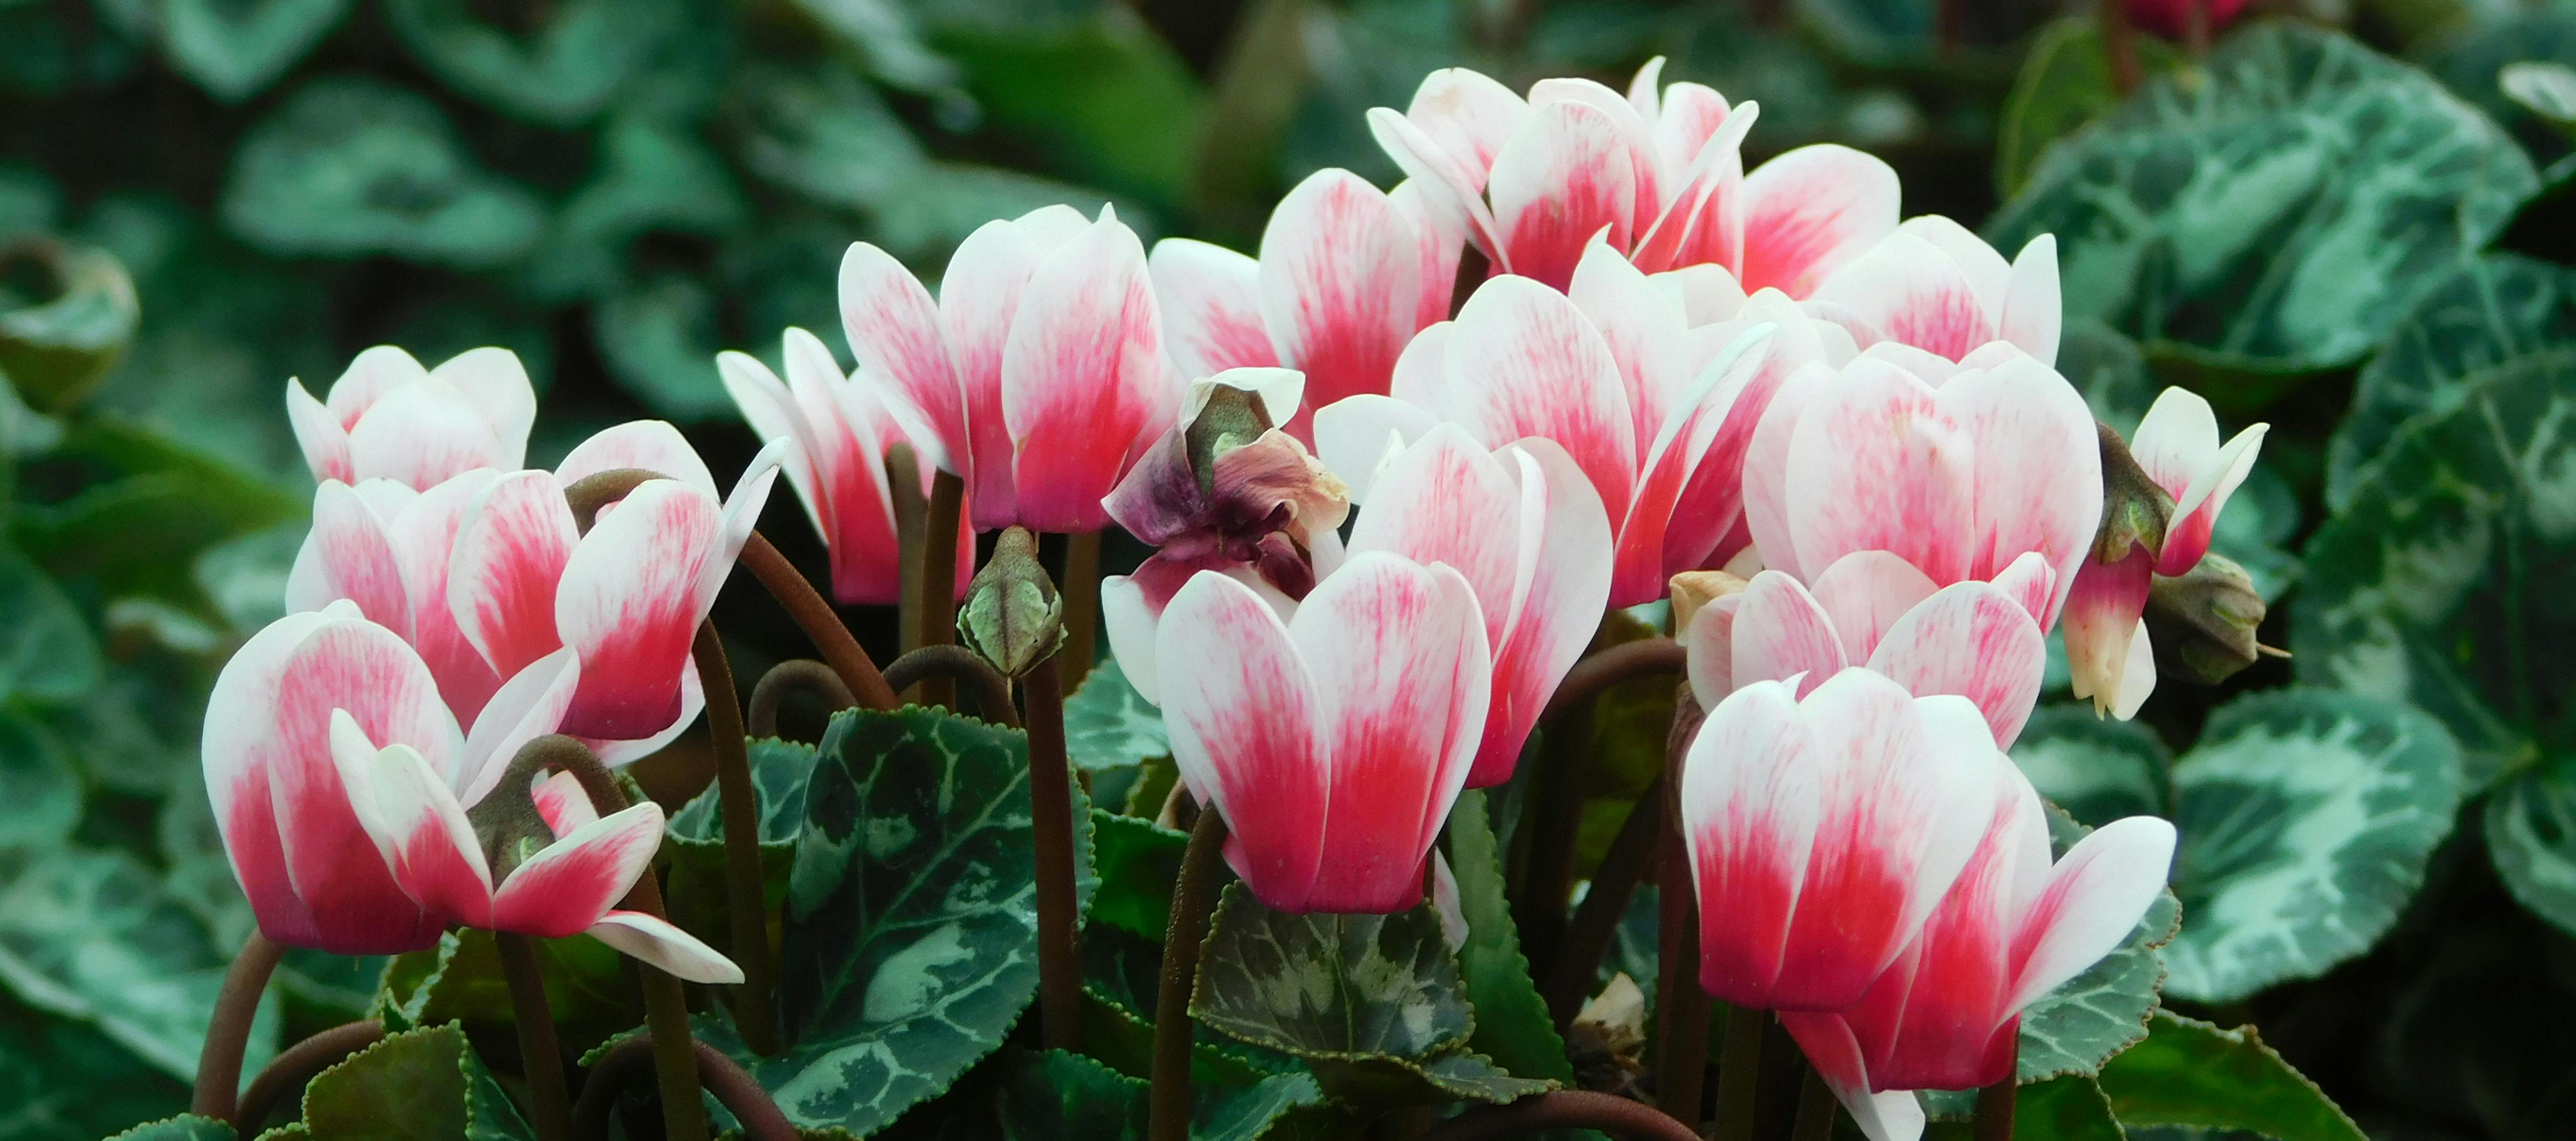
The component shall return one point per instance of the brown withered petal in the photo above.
(2202, 622)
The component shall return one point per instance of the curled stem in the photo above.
(1051, 830)
(957, 663)
(1596, 922)
(1170, 1106)
(806, 674)
(740, 803)
(1602, 669)
(219, 1061)
(937, 602)
(540, 1052)
(1567, 742)
(1564, 1109)
(821, 625)
(734, 1087)
(296, 1065)
(1080, 590)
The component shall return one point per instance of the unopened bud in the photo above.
(1012, 615)
(2202, 622)
(1695, 589)
(2135, 509)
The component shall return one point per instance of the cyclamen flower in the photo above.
(1636, 398)
(1873, 610)
(1947, 1013)
(1347, 274)
(1822, 831)
(1334, 741)
(389, 418)
(1038, 375)
(839, 431)
(1222, 491)
(1936, 288)
(385, 547)
(2106, 636)
(1533, 180)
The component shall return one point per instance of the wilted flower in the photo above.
(389, 418)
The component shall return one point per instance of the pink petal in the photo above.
(774, 414)
(665, 948)
(318, 434)
(1422, 372)
(416, 823)
(1828, 1043)
(1340, 286)
(1084, 383)
(2033, 311)
(496, 386)
(424, 535)
(1781, 633)
(1864, 594)
(1565, 544)
(1246, 732)
(1642, 326)
(1211, 299)
(648, 445)
(1445, 498)
(1524, 361)
(1713, 504)
(1911, 291)
(2037, 462)
(569, 884)
(1810, 210)
(562, 802)
(422, 433)
(895, 331)
(2094, 897)
(2102, 622)
(619, 751)
(1636, 136)
(739, 516)
(629, 607)
(1689, 115)
(1708, 646)
(1642, 88)
(1750, 808)
(1403, 679)
(2187, 536)
(528, 706)
(1439, 234)
(979, 302)
(2031, 582)
(349, 554)
(1468, 116)
(1353, 437)
(1566, 173)
(239, 747)
(1674, 463)
(1449, 187)
(370, 375)
(1873, 464)
(1766, 466)
(1974, 641)
(510, 554)
(1708, 293)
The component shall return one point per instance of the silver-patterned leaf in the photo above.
(1108, 724)
(559, 71)
(2097, 769)
(1331, 986)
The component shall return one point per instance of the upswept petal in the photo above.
(494, 384)
(421, 433)
(1565, 173)
(1936, 1019)
(1468, 116)
(371, 374)
(1865, 593)
(1987, 271)
(1523, 361)
(1445, 498)
(1907, 289)
(1084, 382)
(1247, 732)
(1635, 135)
(1807, 212)
(1874, 464)
(1751, 804)
(2030, 581)
(349, 554)
(628, 605)
(424, 534)
(1829, 1045)
(416, 824)
(773, 413)
(566, 886)
(318, 434)
(1340, 279)
(1439, 234)
(1780, 633)
(739, 516)
(2093, 898)
(509, 558)
(1353, 436)
(238, 750)
(648, 445)
(2034, 311)
(1643, 327)
(979, 305)
(2106, 635)
(665, 947)
(1566, 541)
(616, 751)
(562, 803)
(896, 333)
(1449, 186)
(1766, 466)
(2037, 465)
(528, 706)
(2196, 515)
(2177, 445)
(1975, 641)
(1708, 649)
(1211, 299)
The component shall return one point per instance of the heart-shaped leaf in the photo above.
(185, 1127)
(424, 1084)
(231, 49)
(2097, 770)
(2195, 1075)
(1139, 861)
(559, 64)
(1108, 724)
(57, 346)
(47, 653)
(37, 782)
(62, 1080)
(1331, 986)
(2065, 82)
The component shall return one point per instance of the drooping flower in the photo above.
(389, 418)
(1638, 399)
(840, 432)
(1346, 275)
(1657, 172)
(1937, 289)
(1334, 741)
(1947, 1014)
(1873, 610)
(1038, 375)
(1226, 491)
(1823, 830)
(1527, 530)
(2177, 447)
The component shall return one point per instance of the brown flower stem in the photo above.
(954, 663)
(2120, 47)
(2196, 27)
(1681, 1047)
(1596, 921)
(296, 1065)
(739, 801)
(1995, 1103)
(1816, 1108)
(1191, 905)
(1739, 1071)
(1080, 589)
(540, 1053)
(219, 1061)
(821, 625)
(911, 515)
(1602, 669)
(1566, 743)
(1563, 1109)
(1051, 830)
(936, 605)
(806, 674)
(734, 1087)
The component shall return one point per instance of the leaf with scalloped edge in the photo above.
(1108, 724)
(2197, 1075)
(559, 72)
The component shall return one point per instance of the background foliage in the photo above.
(2346, 232)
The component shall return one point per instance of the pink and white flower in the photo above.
(2177, 446)
(385, 547)
(1823, 831)
(1347, 274)
(1657, 172)
(1346, 731)
(839, 432)
(1037, 375)
(1947, 1014)
(389, 418)
(1936, 288)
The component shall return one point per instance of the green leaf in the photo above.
(37, 783)
(234, 50)
(2270, 208)
(1325, 986)
(1512, 1023)
(2109, 369)
(350, 167)
(1048, 1094)
(826, 135)
(2486, 315)
(140, 531)
(2475, 58)
(2438, 585)
(1139, 861)
(1108, 724)
(460, 980)
(57, 346)
(2197, 1075)
(2306, 819)
(414, 1085)
(2064, 1109)
(46, 651)
(946, 201)
(909, 946)
(699, 891)
(654, 176)
(93, 936)
(185, 1127)
(2098, 770)
(2531, 834)
(1103, 99)
(62, 1080)
(557, 65)
(2065, 82)
(2075, 1029)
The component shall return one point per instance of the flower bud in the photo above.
(2135, 509)
(1012, 615)
(2202, 622)
(1695, 589)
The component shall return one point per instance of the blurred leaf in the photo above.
(654, 176)
(2109, 369)
(37, 782)
(196, 870)
(824, 134)
(1139, 862)
(64, 1081)
(245, 577)
(2194, 1074)
(948, 200)
(911, 915)
(2473, 59)
(49, 49)
(2065, 83)
(2095, 769)
(2306, 819)
(343, 986)
(2491, 313)
(658, 335)
(1107, 724)
(1512, 1023)
(557, 63)
(185, 1127)
(57, 346)
(231, 49)
(140, 532)
(887, 38)
(348, 167)
(661, 335)
(415, 1085)
(47, 653)
(93, 936)
(2064, 1109)
(1050, 1094)
(2267, 210)
(1105, 100)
